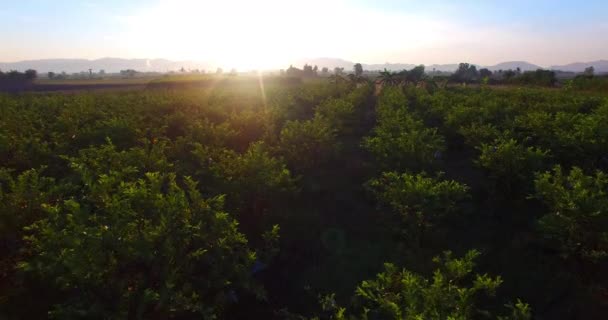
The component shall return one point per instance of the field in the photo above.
(231, 198)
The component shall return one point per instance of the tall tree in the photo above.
(388, 78)
(485, 72)
(31, 74)
(358, 68)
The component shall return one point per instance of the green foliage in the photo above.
(586, 83)
(339, 113)
(137, 248)
(99, 220)
(249, 179)
(539, 77)
(307, 144)
(476, 134)
(453, 292)
(21, 198)
(399, 141)
(420, 201)
(509, 163)
(576, 220)
(403, 77)
(519, 311)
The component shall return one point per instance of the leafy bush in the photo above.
(114, 165)
(539, 77)
(307, 144)
(399, 141)
(420, 201)
(510, 164)
(338, 112)
(477, 134)
(139, 248)
(252, 177)
(453, 292)
(594, 83)
(576, 220)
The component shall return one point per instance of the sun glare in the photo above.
(230, 34)
(269, 33)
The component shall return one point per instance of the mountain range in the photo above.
(113, 65)
(109, 65)
(599, 66)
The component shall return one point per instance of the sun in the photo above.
(246, 35)
(271, 34)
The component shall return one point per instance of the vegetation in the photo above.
(402, 294)
(220, 198)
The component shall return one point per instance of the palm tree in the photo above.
(414, 76)
(356, 79)
(404, 78)
(388, 78)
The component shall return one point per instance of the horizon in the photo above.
(270, 34)
(310, 61)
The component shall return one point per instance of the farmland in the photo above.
(332, 198)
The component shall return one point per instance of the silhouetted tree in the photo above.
(508, 74)
(293, 72)
(51, 75)
(388, 78)
(539, 77)
(129, 73)
(589, 71)
(358, 69)
(485, 72)
(415, 75)
(31, 74)
(308, 71)
(465, 73)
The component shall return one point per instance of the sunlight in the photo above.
(303, 159)
(269, 34)
(245, 38)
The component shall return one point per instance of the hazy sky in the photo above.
(268, 33)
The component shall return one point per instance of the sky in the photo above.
(271, 33)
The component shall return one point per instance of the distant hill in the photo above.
(401, 66)
(600, 66)
(513, 65)
(348, 65)
(113, 65)
(109, 65)
(331, 63)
